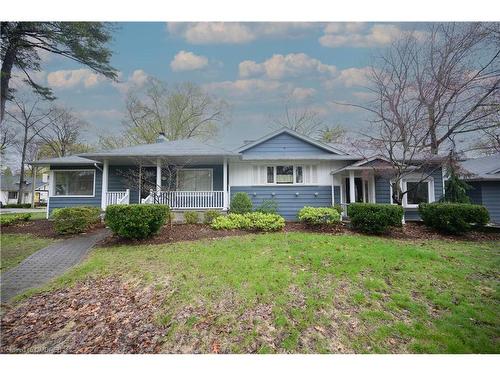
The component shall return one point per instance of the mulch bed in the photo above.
(191, 232)
(95, 316)
(39, 228)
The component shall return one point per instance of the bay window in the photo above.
(74, 183)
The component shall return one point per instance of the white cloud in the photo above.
(350, 77)
(352, 34)
(302, 93)
(184, 61)
(280, 66)
(101, 113)
(241, 87)
(65, 79)
(236, 32)
(137, 79)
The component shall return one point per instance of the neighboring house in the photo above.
(483, 175)
(9, 190)
(290, 168)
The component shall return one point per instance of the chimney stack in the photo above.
(161, 137)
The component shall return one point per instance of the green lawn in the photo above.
(311, 293)
(16, 247)
(34, 215)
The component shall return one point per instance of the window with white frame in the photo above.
(195, 180)
(74, 183)
(284, 174)
(417, 192)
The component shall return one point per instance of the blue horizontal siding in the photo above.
(382, 189)
(490, 191)
(412, 214)
(61, 202)
(285, 143)
(288, 202)
(475, 193)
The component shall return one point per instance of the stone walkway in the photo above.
(47, 263)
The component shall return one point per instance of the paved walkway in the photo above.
(47, 263)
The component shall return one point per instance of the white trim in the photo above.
(225, 183)
(104, 186)
(51, 191)
(194, 169)
(158, 175)
(413, 178)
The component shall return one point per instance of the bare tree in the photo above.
(185, 111)
(307, 121)
(32, 119)
(8, 138)
(62, 136)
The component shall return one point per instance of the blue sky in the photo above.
(253, 66)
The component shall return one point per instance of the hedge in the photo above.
(374, 217)
(72, 220)
(8, 219)
(253, 221)
(241, 203)
(136, 220)
(453, 218)
(15, 205)
(318, 215)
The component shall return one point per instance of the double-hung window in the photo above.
(284, 174)
(74, 183)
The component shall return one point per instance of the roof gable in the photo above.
(288, 142)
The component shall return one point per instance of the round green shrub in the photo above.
(7, 219)
(268, 206)
(252, 221)
(72, 220)
(136, 220)
(318, 215)
(453, 218)
(191, 217)
(374, 217)
(241, 203)
(210, 215)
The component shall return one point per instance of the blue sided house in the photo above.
(289, 168)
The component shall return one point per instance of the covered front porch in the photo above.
(181, 183)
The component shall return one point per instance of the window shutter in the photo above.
(262, 175)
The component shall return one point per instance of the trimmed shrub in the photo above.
(8, 219)
(453, 217)
(191, 217)
(338, 208)
(15, 205)
(253, 221)
(71, 220)
(318, 215)
(210, 215)
(264, 222)
(268, 206)
(374, 217)
(241, 203)
(136, 220)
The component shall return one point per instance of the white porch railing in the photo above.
(187, 199)
(118, 197)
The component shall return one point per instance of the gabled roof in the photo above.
(485, 168)
(66, 160)
(11, 183)
(292, 133)
(182, 147)
(377, 162)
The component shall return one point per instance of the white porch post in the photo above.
(158, 175)
(105, 174)
(224, 178)
(352, 190)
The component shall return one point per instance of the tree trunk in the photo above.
(432, 132)
(23, 158)
(7, 64)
